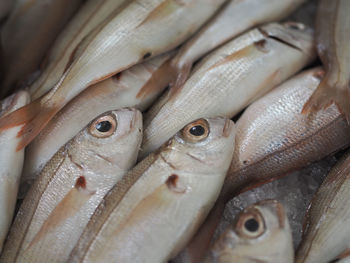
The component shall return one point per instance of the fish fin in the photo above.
(164, 75)
(182, 75)
(325, 95)
(68, 206)
(33, 117)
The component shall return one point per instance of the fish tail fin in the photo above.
(325, 95)
(33, 117)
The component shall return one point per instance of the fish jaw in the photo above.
(152, 200)
(88, 166)
(11, 165)
(223, 78)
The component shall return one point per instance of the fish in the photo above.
(5, 8)
(233, 19)
(11, 162)
(260, 233)
(88, 17)
(163, 198)
(71, 186)
(344, 260)
(135, 87)
(227, 80)
(27, 35)
(325, 234)
(332, 34)
(140, 31)
(272, 140)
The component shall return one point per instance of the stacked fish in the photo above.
(99, 181)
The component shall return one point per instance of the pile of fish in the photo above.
(116, 138)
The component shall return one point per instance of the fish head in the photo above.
(257, 231)
(294, 34)
(109, 142)
(202, 146)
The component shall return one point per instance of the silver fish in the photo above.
(152, 213)
(131, 88)
(230, 78)
(89, 16)
(332, 36)
(233, 19)
(11, 163)
(327, 234)
(260, 233)
(140, 31)
(70, 187)
(273, 139)
(27, 35)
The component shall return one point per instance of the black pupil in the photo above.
(197, 130)
(251, 225)
(103, 126)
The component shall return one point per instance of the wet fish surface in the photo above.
(260, 233)
(326, 234)
(164, 198)
(89, 16)
(234, 18)
(131, 88)
(11, 163)
(28, 33)
(139, 32)
(70, 187)
(332, 35)
(230, 78)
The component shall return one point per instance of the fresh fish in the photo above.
(234, 18)
(150, 215)
(230, 78)
(28, 33)
(326, 234)
(332, 36)
(141, 30)
(11, 162)
(344, 260)
(91, 14)
(273, 139)
(70, 187)
(131, 88)
(260, 233)
(5, 8)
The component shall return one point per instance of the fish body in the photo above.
(152, 213)
(326, 234)
(11, 163)
(273, 139)
(260, 233)
(234, 18)
(229, 79)
(28, 33)
(127, 89)
(332, 36)
(89, 16)
(70, 187)
(140, 31)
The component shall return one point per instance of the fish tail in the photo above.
(325, 95)
(33, 117)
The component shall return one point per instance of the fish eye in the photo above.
(196, 131)
(250, 224)
(103, 126)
